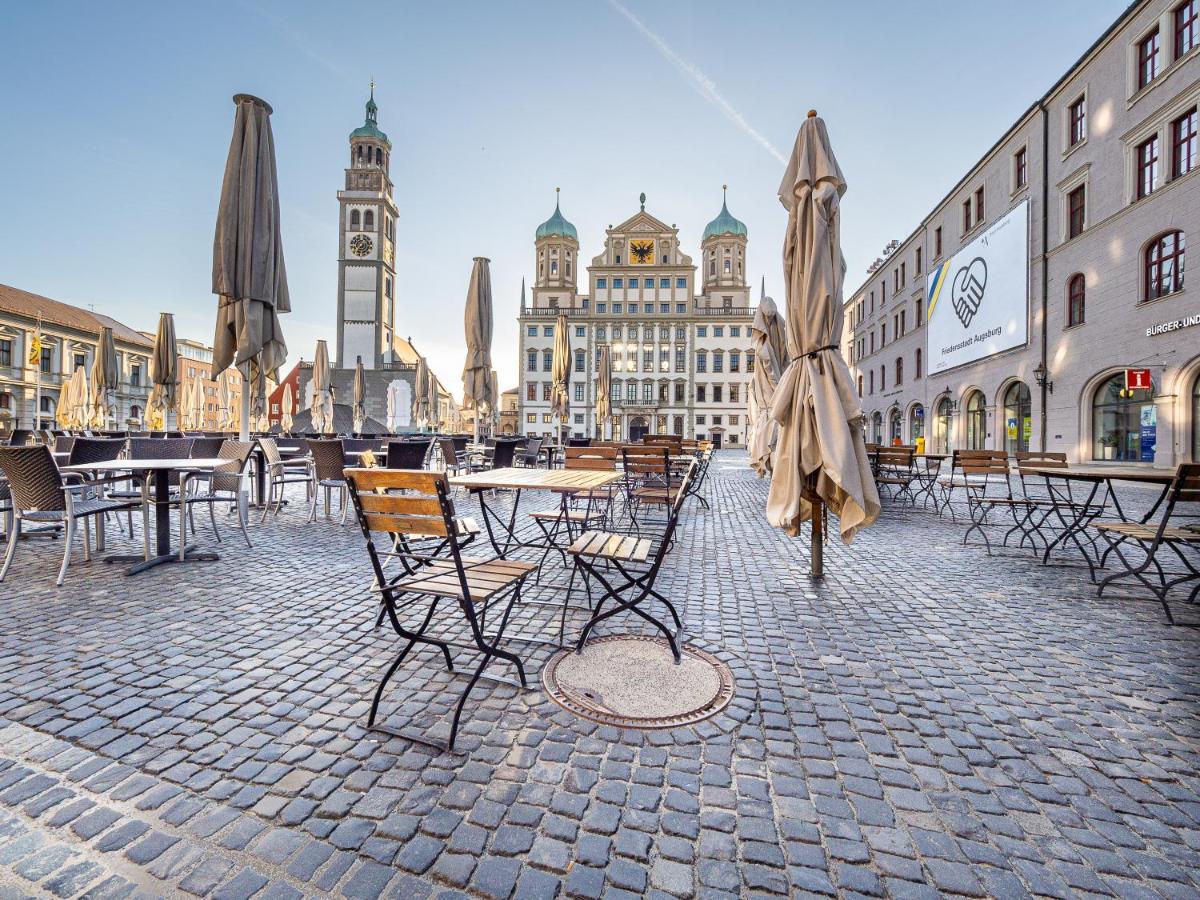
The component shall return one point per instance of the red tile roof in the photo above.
(24, 303)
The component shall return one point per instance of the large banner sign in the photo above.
(978, 303)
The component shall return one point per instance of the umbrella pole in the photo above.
(818, 539)
(244, 425)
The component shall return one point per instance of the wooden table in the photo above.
(159, 471)
(560, 481)
(1083, 513)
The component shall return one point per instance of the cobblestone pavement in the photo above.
(929, 721)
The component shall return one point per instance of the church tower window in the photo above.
(355, 220)
(369, 220)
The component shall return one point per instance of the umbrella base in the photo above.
(138, 564)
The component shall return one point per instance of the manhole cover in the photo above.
(632, 682)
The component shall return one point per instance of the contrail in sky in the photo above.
(704, 85)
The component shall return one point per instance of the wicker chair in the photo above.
(407, 454)
(40, 493)
(151, 448)
(329, 463)
(282, 472)
(221, 486)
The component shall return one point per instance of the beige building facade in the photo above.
(1102, 172)
(678, 331)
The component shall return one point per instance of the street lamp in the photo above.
(953, 402)
(1041, 375)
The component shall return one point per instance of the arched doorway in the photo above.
(1196, 420)
(916, 424)
(976, 421)
(1124, 422)
(895, 426)
(942, 426)
(1018, 418)
(877, 427)
(637, 429)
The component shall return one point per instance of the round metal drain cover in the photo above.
(633, 682)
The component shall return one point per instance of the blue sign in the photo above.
(1149, 432)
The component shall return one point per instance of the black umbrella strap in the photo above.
(822, 349)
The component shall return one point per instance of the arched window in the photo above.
(360, 154)
(942, 428)
(899, 372)
(1164, 265)
(379, 156)
(1018, 417)
(1076, 296)
(369, 220)
(916, 422)
(917, 368)
(355, 220)
(1196, 420)
(895, 422)
(135, 412)
(976, 421)
(712, 267)
(1124, 422)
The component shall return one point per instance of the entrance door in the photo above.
(637, 429)
(716, 437)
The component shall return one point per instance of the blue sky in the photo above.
(117, 122)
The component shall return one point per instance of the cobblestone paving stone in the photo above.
(929, 721)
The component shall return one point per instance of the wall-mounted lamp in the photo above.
(953, 402)
(1041, 375)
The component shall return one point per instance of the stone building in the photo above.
(69, 336)
(366, 301)
(1078, 334)
(679, 333)
(194, 365)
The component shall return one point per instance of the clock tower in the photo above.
(366, 250)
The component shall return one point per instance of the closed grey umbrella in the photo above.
(769, 347)
(359, 409)
(560, 374)
(493, 405)
(322, 392)
(821, 458)
(421, 394)
(248, 269)
(477, 381)
(604, 392)
(164, 374)
(433, 403)
(104, 378)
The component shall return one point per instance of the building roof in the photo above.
(370, 127)
(556, 225)
(32, 306)
(724, 223)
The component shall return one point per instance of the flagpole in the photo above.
(36, 359)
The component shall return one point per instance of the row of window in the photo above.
(629, 358)
(1162, 274)
(46, 362)
(718, 331)
(1150, 62)
(618, 283)
(1182, 135)
(859, 348)
(578, 418)
(665, 392)
(918, 371)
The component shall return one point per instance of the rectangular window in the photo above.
(647, 360)
(647, 392)
(1076, 202)
(47, 361)
(601, 284)
(1183, 143)
(1147, 59)
(664, 283)
(903, 276)
(1077, 122)
(678, 392)
(979, 216)
(5, 353)
(601, 307)
(548, 331)
(618, 283)
(701, 362)
(716, 395)
(966, 207)
(579, 393)
(917, 319)
(917, 269)
(718, 362)
(1020, 169)
(937, 242)
(546, 390)
(547, 360)
(135, 376)
(531, 331)
(681, 308)
(701, 331)
(633, 283)
(733, 393)
(718, 331)
(531, 418)
(700, 420)
(580, 331)
(547, 418)
(616, 308)
(680, 359)
(80, 361)
(1147, 166)
(531, 391)
(664, 308)
(735, 330)
(1185, 26)
(917, 367)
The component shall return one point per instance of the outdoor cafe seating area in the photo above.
(457, 534)
(1038, 505)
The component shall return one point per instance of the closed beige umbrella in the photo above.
(560, 374)
(286, 408)
(493, 406)
(185, 406)
(769, 346)
(224, 403)
(359, 409)
(164, 374)
(200, 404)
(821, 457)
(477, 321)
(433, 402)
(64, 412)
(604, 392)
(248, 270)
(322, 393)
(104, 379)
(421, 394)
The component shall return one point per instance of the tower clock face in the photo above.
(641, 252)
(360, 245)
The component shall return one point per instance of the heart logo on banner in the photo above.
(969, 284)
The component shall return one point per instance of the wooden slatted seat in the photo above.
(606, 545)
(1141, 532)
(485, 578)
(553, 515)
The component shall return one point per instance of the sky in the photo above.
(117, 120)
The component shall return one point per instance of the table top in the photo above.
(560, 480)
(1145, 475)
(146, 465)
